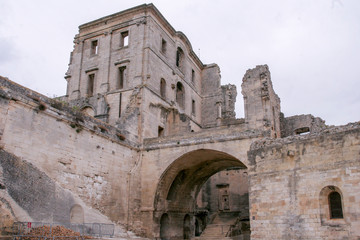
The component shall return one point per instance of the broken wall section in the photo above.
(229, 94)
(301, 124)
(212, 95)
(262, 104)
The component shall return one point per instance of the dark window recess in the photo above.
(90, 87)
(192, 76)
(124, 41)
(94, 47)
(160, 131)
(163, 88)
(163, 46)
(179, 57)
(193, 107)
(180, 93)
(121, 77)
(302, 131)
(335, 205)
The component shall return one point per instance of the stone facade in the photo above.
(146, 137)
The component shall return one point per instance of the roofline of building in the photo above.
(161, 18)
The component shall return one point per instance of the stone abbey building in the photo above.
(146, 138)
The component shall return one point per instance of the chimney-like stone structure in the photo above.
(262, 104)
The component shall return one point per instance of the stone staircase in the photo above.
(219, 227)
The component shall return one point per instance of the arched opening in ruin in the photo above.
(187, 227)
(164, 227)
(76, 214)
(181, 190)
(88, 110)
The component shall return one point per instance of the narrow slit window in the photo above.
(124, 39)
(179, 57)
(160, 131)
(121, 78)
(162, 88)
(192, 76)
(193, 107)
(335, 206)
(120, 96)
(90, 87)
(163, 46)
(94, 47)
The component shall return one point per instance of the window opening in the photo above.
(180, 94)
(302, 131)
(179, 57)
(121, 77)
(90, 89)
(193, 107)
(192, 76)
(160, 131)
(163, 46)
(124, 39)
(335, 205)
(94, 47)
(163, 88)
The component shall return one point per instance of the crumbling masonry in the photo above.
(146, 137)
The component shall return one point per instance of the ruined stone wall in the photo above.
(212, 96)
(302, 124)
(262, 105)
(81, 154)
(229, 98)
(290, 180)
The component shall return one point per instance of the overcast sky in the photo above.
(312, 47)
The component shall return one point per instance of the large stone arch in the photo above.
(180, 183)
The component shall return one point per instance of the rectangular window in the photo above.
(124, 41)
(193, 107)
(121, 78)
(192, 75)
(94, 47)
(163, 46)
(160, 131)
(90, 86)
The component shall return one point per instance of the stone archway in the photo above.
(180, 183)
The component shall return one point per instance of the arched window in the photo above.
(331, 206)
(187, 227)
(335, 205)
(164, 227)
(162, 88)
(180, 94)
